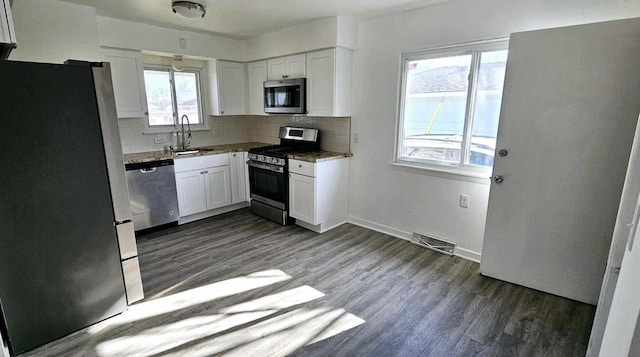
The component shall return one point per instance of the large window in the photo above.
(450, 106)
(172, 94)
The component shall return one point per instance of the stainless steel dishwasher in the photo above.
(152, 193)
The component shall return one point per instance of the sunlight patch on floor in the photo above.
(278, 336)
(191, 330)
(192, 297)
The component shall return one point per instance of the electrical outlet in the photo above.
(356, 138)
(464, 201)
(183, 43)
(215, 131)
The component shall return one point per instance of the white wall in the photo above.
(326, 32)
(321, 33)
(133, 35)
(399, 200)
(54, 31)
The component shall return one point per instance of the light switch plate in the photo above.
(464, 201)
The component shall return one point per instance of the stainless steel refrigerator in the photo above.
(64, 201)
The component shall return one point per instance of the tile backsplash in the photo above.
(335, 132)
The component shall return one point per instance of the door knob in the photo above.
(498, 179)
(503, 152)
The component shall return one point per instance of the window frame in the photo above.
(458, 168)
(152, 129)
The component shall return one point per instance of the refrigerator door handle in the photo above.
(117, 223)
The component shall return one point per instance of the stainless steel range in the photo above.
(269, 172)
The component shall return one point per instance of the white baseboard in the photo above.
(468, 254)
(398, 233)
(380, 228)
(318, 228)
(213, 212)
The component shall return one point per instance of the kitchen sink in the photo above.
(185, 152)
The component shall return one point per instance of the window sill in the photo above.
(454, 173)
(167, 130)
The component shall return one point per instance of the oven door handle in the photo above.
(268, 167)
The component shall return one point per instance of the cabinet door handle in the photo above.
(222, 112)
(300, 165)
(234, 155)
(201, 172)
(206, 171)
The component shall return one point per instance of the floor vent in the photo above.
(433, 243)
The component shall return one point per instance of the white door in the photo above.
(277, 68)
(256, 74)
(296, 66)
(238, 178)
(302, 198)
(568, 116)
(192, 196)
(232, 88)
(622, 332)
(320, 82)
(218, 184)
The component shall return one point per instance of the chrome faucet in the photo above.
(185, 144)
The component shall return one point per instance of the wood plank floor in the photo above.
(239, 285)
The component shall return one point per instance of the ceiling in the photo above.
(246, 18)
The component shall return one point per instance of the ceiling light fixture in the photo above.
(188, 9)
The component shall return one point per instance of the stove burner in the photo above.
(281, 151)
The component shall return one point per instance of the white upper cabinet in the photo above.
(287, 67)
(276, 68)
(329, 82)
(7, 33)
(296, 66)
(127, 73)
(256, 75)
(227, 88)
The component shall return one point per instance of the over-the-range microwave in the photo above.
(285, 96)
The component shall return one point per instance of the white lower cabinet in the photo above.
(302, 198)
(218, 187)
(205, 183)
(191, 192)
(318, 193)
(239, 177)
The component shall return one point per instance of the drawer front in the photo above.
(201, 162)
(126, 240)
(132, 280)
(302, 168)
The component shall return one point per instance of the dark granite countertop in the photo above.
(203, 150)
(319, 156)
